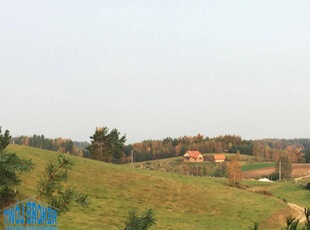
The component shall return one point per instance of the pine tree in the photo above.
(107, 146)
(136, 222)
(51, 187)
(10, 165)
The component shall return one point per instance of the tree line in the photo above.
(109, 146)
(57, 144)
(173, 147)
(267, 149)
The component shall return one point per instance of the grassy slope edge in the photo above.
(179, 202)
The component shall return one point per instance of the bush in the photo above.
(308, 186)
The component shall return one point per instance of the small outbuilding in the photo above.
(219, 157)
(193, 156)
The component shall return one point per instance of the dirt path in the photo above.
(279, 219)
(300, 178)
(299, 212)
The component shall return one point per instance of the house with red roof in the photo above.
(193, 156)
(219, 157)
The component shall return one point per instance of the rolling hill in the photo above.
(179, 202)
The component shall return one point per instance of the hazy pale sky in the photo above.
(154, 69)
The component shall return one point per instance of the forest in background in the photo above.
(268, 149)
(57, 144)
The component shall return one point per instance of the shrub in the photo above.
(308, 186)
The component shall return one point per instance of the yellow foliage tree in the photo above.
(81, 153)
(234, 169)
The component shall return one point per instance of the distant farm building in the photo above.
(193, 156)
(219, 157)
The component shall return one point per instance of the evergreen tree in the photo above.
(136, 222)
(10, 164)
(51, 187)
(107, 146)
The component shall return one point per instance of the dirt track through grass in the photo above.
(299, 212)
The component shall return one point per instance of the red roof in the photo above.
(193, 154)
(219, 157)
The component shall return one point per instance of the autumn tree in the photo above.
(39, 141)
(234, 170)
(107, 146)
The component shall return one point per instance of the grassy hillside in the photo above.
(179, 202)
(292, 191)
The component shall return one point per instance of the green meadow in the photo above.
(290, 190)
(248, 167)
(179, 202)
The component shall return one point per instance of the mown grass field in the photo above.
(248, 167)
(179, 202)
